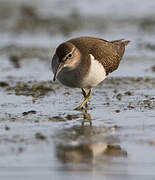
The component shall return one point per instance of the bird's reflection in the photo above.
(87, 144)
(86, 117)
(87, 153)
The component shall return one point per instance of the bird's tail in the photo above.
(126, 42)
(121, 41)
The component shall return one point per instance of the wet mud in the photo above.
(41, 135)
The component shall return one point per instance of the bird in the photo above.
(84, 62)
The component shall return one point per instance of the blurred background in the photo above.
(41, 136)
(42, 25)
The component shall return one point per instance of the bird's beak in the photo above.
(61, 65)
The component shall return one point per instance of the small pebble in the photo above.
(117, 111)
(119, 96)
(40, 136)
(7, 128)
(128, 93)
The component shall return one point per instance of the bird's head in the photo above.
(66, 56)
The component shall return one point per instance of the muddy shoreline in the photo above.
(41, 135)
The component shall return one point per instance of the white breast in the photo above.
(96, 73)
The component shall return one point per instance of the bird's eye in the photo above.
(70, 55)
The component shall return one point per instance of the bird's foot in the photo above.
(79, 108)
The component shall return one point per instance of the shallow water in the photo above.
(41, 135)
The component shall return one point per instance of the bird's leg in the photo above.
(86, 100)
(84, 94)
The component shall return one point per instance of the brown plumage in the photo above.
(84, 62)
(108, 53)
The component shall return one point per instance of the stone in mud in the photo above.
(119, 96)
(128, 93)
(117, 111)
(29, 112)
(40, 136)
(7, 128)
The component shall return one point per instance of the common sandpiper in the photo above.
(84, 62)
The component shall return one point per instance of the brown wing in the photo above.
(109, 53)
